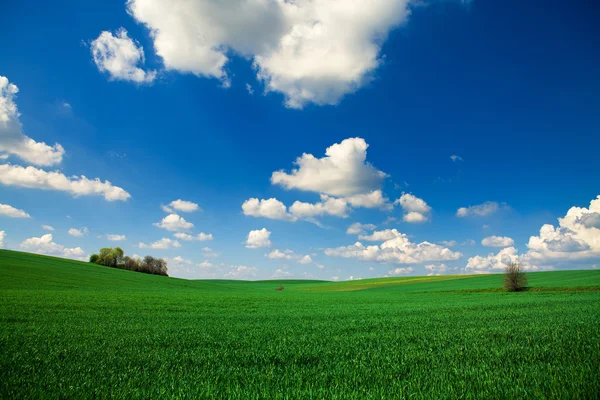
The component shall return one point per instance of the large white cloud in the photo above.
(416, 210)
(45, 245)
(343, 171)
(175, 223)
(269, 208)
(12, 212)
(34, 178)
(396, 248)
(497, 241)
(119, 57)
(258, 239)
(311, 51)
(12, 138)
(576, 238)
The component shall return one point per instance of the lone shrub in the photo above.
(515, 279)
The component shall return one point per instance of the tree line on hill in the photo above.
(115, 258)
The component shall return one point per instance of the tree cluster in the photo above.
(115, 258)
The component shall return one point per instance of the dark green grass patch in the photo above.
(73, 330)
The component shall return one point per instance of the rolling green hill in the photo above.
(72, 329)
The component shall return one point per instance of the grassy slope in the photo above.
(70, 329)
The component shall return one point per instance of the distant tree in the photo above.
(116, 258)
(515, 279)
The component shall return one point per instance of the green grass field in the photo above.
(75, 330)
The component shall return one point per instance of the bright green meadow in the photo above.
(75, 330)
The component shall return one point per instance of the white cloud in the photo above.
(181, 205)
(181, 260)
(481, 210)
(305, 260)
(164, 243)
(497, 241)
(335, 278)
(342, 172)
(174, 222)
(47, 227)
(13, 140)
(270, 208)
(241, 272)
(310, 51)
(201, 237)
(396, 248)
(119, 56)
(375, 199)
(493, 262)
(116, 238)
(401, 271)
(439, 269)
(258, 239)
(206, 264)
(576, 238)
(327, 206)
(358, 229)
(281, 273)
(416, 210)
(380, 236)
(282, 255)
(320, 266)
(456, 158)
(78, 232)
(34, 178)
(12, 212)
(249, 89)
(2, 237)
(45, 245)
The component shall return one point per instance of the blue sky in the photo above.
(223, 98)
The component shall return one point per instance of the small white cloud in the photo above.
(327, 206)
(249, 89)
(456, 158)
(270, 208)
(119, 57)
(449, 243)
(416, 210)
(401, 271)
(12, 212)
(34, 178)
(497, 241)
(174, 222)
(78, 232)
(320, 266)
(359, 229)
(116, 238)
(258, 239)
(164, 244)
(206, 264)
(375, 199)
(181, 205)
(305, 260)
(481, 210)
(201, 237)
(47, 228)
(2, 237)
(45, 245)
(208, 252)
(241, 272)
